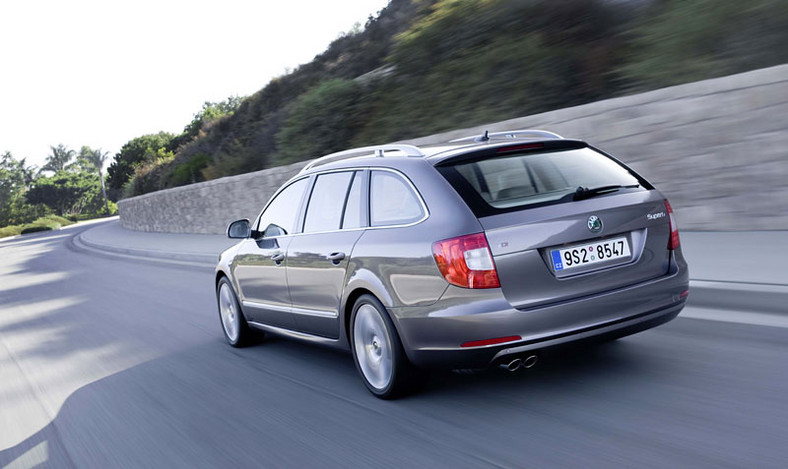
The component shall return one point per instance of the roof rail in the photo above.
(377, 150)
(509, 134)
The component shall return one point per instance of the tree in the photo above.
(59, 159)
(209, 113)
(95, 160)
(67, 193)
(212, 111)
(134, 154)
(15, 179)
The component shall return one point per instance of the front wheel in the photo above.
(234, 326)
(378, 352)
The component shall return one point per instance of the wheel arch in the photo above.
(347, 312)
(218, 277)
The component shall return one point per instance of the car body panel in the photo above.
(435, 337)
(434, 319)
(522, 243)
(262, 283)
(316, 282)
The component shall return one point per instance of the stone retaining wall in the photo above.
(206, 207)
(717, 148)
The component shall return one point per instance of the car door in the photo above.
(317, 259)
(260, 265)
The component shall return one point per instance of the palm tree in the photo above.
(97, 158)
(28, 172)
(60, 158)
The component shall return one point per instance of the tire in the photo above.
(236, 330)
(378, 353)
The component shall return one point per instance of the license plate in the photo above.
(588, 254)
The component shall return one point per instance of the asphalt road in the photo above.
(120, 363)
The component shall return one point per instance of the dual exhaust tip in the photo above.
(517, 363)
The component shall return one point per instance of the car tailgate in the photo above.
(523, 244)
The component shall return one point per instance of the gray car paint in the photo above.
(433, 318)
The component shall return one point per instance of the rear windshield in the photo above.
(510, 182)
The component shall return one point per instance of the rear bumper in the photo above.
(432, 337)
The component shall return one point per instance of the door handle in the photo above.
(336, 257)
(278, 258)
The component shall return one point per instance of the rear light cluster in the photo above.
(466, 261)
(674, 242)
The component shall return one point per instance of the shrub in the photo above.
(33, 228)
(190, 171)
(12, 230)
(47, 223)
(322, 120)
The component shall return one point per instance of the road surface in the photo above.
(108, 362)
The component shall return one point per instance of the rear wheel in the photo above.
(378, 352)
(234, 326)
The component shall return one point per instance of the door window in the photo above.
(354, 210)
(281, 214)
(327, 201)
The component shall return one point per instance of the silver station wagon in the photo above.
(478, 253)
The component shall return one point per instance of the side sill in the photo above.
(301, 336)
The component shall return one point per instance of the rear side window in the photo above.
(518, 180)
(393, 200)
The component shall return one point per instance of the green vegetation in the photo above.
(424, 66)
(443, 64)
(136, 159)
(688, 40)
(33, 200)
(323, 119)
(15, 178)
(47, 223)
(67, 193)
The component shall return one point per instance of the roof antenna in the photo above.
(484, 138)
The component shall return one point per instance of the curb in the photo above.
(193, 259)
(739, 296)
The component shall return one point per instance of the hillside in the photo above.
(443, 64)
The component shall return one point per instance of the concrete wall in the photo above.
(207, 207)
(717, 148)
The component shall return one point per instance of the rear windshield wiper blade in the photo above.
(586, 193)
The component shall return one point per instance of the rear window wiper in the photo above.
(586, 193)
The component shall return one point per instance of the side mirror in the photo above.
(240, 229)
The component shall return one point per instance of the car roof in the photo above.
(435, 154)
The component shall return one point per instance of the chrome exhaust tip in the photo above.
(520, 362)
(513, 365)
(530, 361)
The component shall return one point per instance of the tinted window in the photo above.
(392, 200)
(280, 216)
(518, 180)
(324, 211)
(354, 209)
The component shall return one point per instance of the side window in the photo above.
(280, 216)
(392, 200)
(326, 203)
(354, 209)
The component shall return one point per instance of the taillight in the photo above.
(466, 261)
(674, 242)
